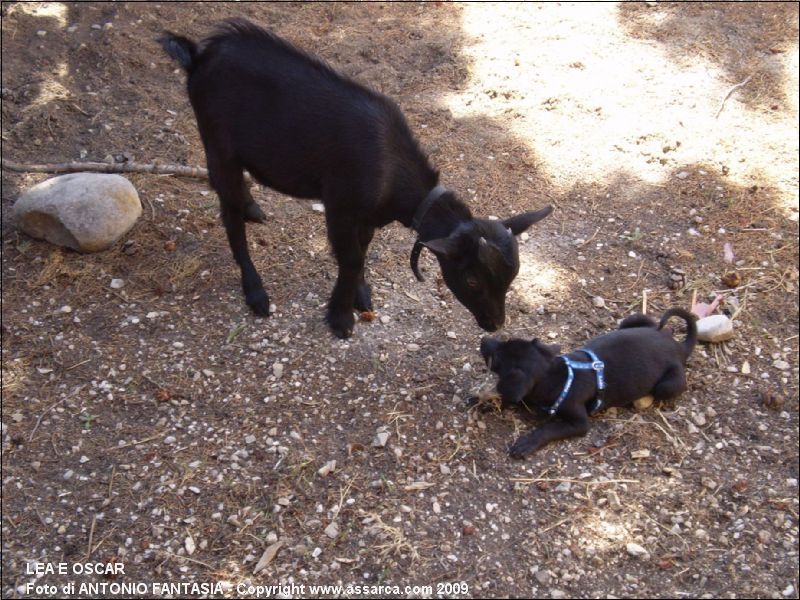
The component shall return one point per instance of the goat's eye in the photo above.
(473, 282)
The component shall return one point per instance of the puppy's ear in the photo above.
(551, 350)
(488, 348)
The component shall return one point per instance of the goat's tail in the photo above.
(180, 48)
(691, 328)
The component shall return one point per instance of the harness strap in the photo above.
(597, 366)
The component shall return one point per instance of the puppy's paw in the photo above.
(525, 444)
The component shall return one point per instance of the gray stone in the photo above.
(716, 328)
(87, 212)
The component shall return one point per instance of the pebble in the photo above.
(41, 33)
(318, 207)
(327, 468)
(170, 439)
(599, 302)
(117, 284)
(17, 417)
(637, 550)
(189, 545)
(68, 474)
(332, 530)
(682, 175)
(716, 328)
(380, 439)
(564, 486)
(249, 439)
(699, 419)
(385, 319)
(277, 370)
(412, 347)
(543, 577)
(65, 309)
(781, 364)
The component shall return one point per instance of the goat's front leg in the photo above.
(349, 254)
(363, 301)
(234, 198)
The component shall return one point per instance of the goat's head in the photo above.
(479, 260)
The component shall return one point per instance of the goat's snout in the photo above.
(491, 321)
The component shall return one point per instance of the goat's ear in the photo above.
(445, 247)
(521, 222)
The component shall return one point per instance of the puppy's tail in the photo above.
(691, 328)
(180, 48)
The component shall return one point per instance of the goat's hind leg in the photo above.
(228, 180)
(363, 302)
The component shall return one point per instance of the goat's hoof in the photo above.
(363, 301)
(341, 323)
(258, 302)
(254, 214)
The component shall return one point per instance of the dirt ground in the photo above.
(164, 427)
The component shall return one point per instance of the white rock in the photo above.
(380, 439)
(413, 347)
(327, 468)
(189, 545)
(87, 212)
(781, 364)
(332, 530)
(277, 370)
(117, 284)
(599, 302)
(385, 319)
(318, 207)
(249, 439)
(682, 175)
(716, 328)
(637, 550)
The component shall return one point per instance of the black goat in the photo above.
(304, 130)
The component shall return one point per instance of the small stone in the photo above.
(170, 439)
(332, 530)
(249, 439)
(682, 175)
(41, 33)
(68, 474)
(65, 309)
(327, 468)
(318, 207)
(277, 370)
(716, 328)
(412, 347)
(637, 551)
(380, 439)
(564, 486)
(117, 284)
(436, 507)
(640, 453)
(524, 236)
(543, 577)
(17, 417)
(385, 319)
(643, 403)
(699, 419)
(764, 536)
(317, 551)
(451, 335)
(558, 594)
(599, 302)
(701, 534)
(781, 364)
(189, 545)
(83, 459)
(468, 529)
(745, 368)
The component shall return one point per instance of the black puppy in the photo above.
(615, 369)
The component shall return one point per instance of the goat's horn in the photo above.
(415, 252)
(482, 241)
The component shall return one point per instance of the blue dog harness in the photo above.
(596, 365)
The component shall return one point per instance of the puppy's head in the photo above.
(519, 365)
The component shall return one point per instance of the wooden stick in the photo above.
(644, 302)
(127, 167)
